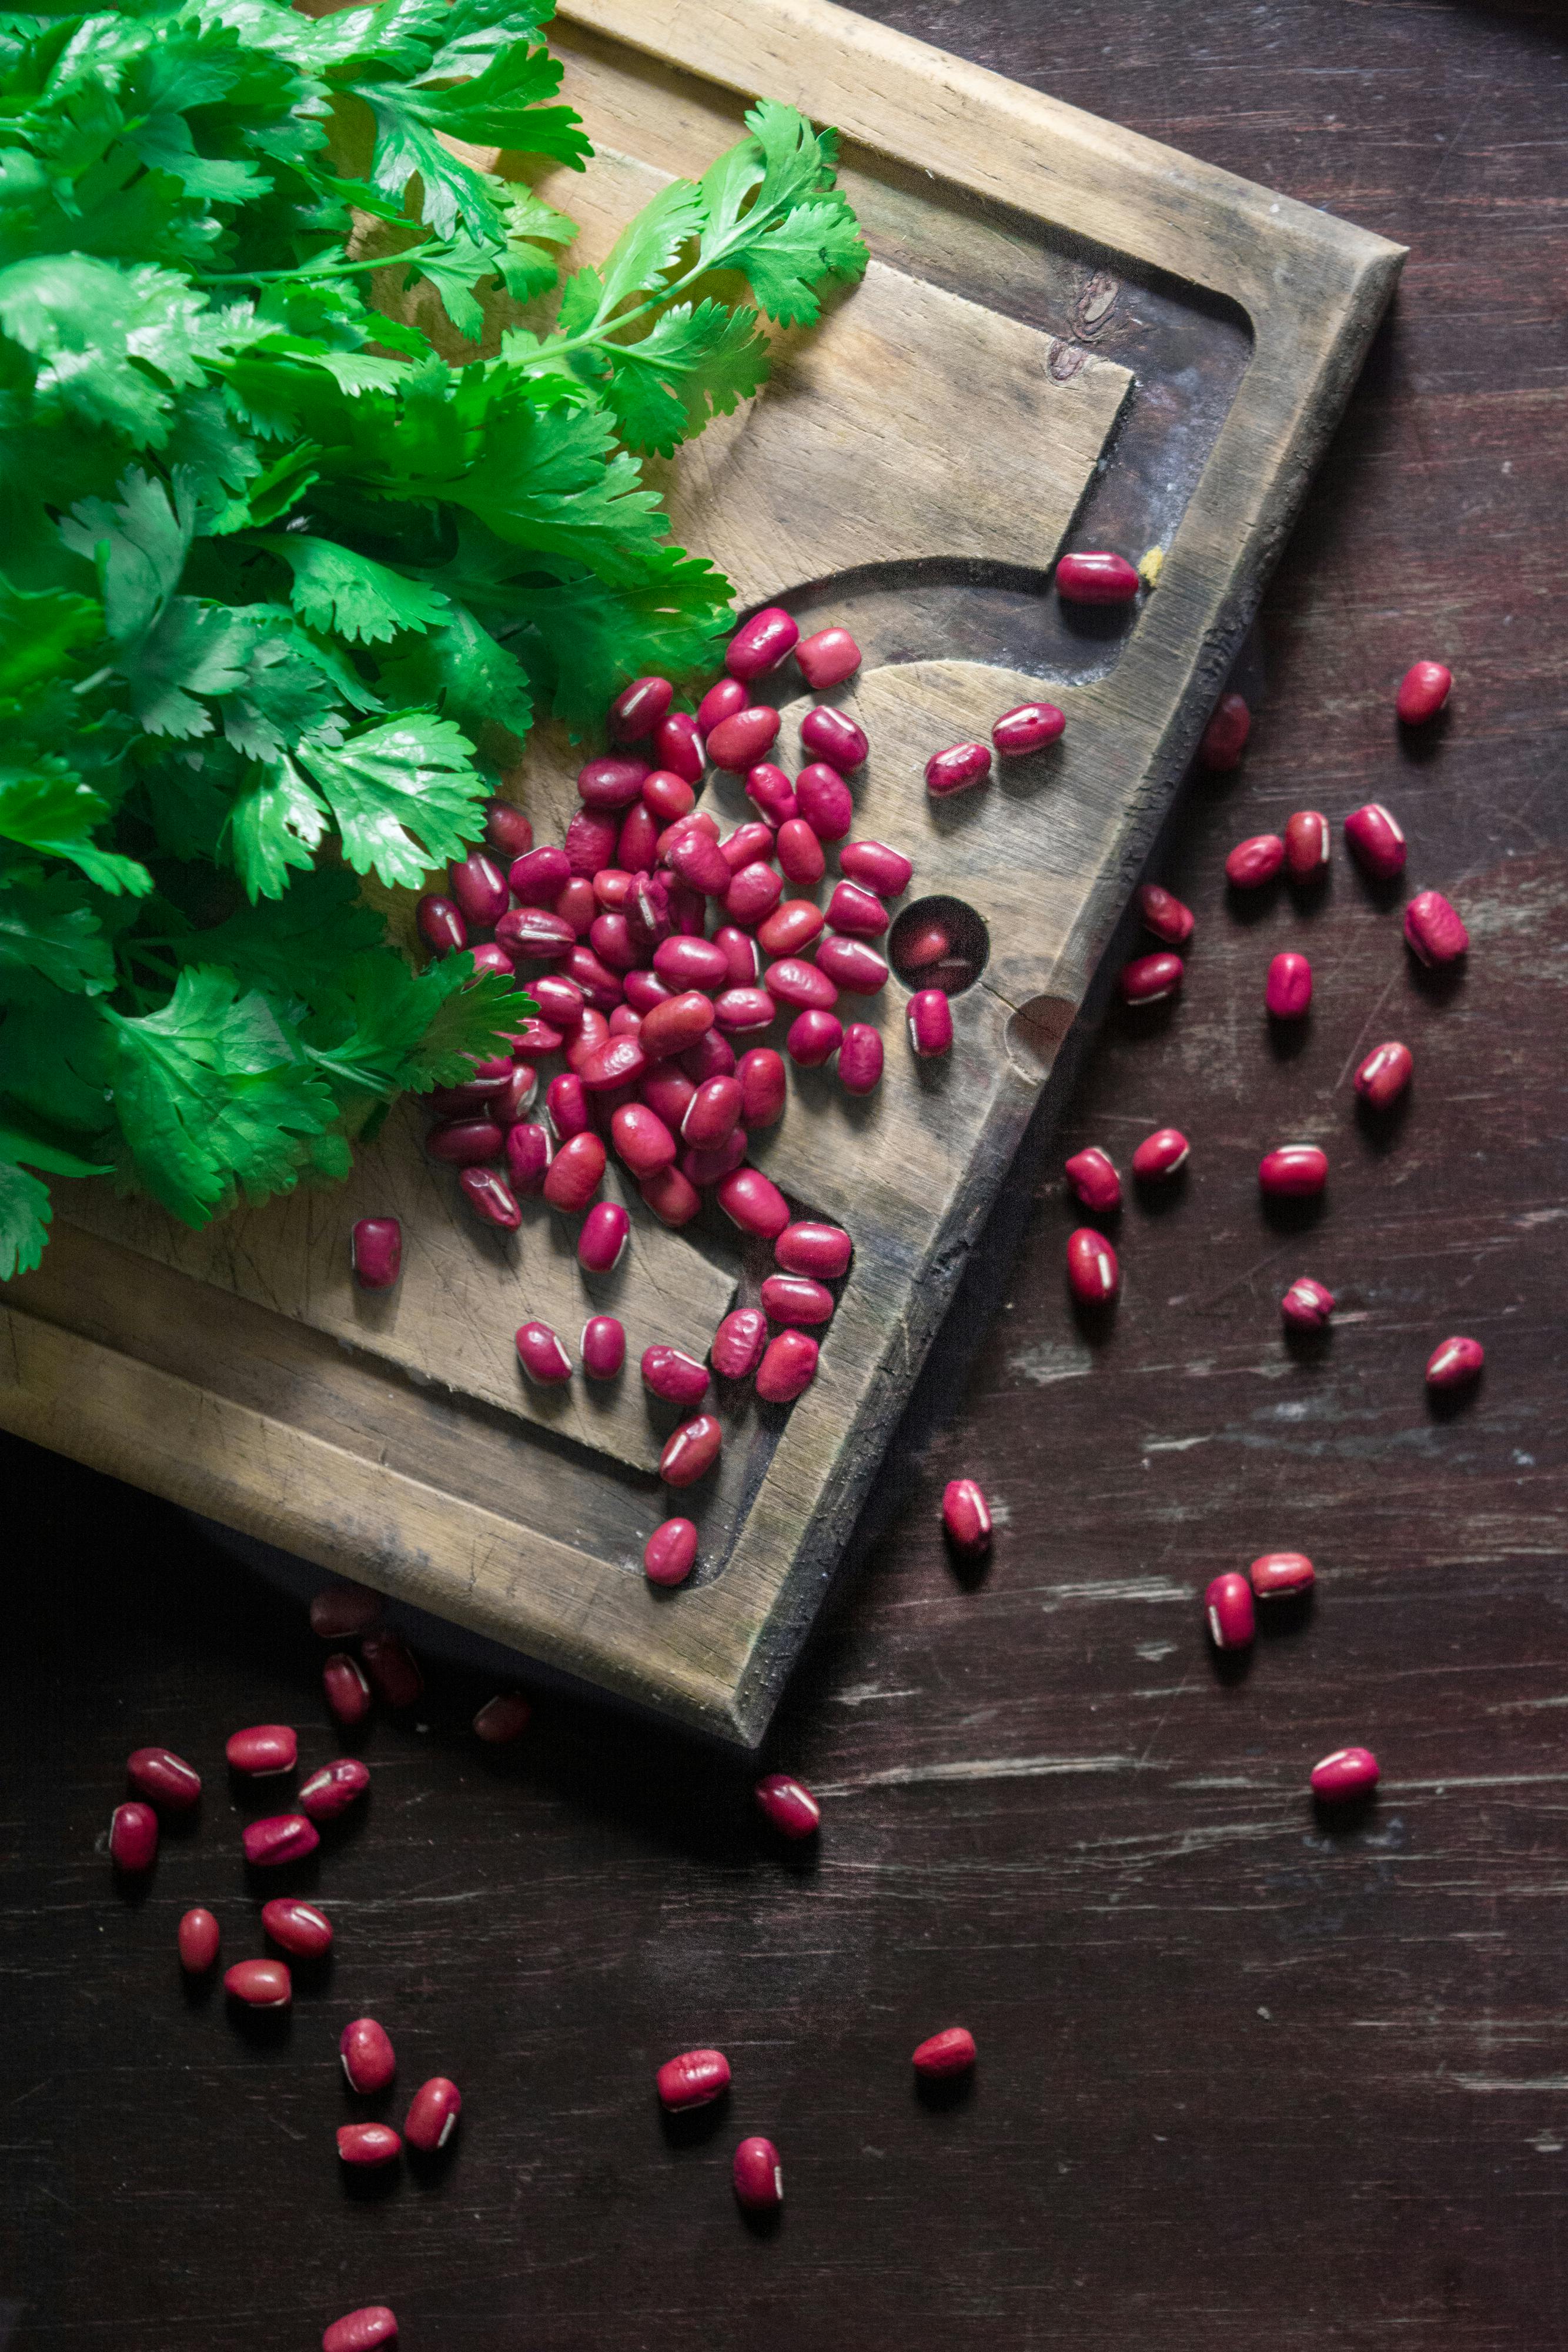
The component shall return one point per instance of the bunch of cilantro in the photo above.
(280, 589)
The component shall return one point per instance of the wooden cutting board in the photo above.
(1065, 330)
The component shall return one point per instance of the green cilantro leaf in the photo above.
(25, 1217)
(47, 809)
(45, 928)
(406, 796)
(693, 364)
(366, 602)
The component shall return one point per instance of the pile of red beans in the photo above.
(655, 950)
(642, 941)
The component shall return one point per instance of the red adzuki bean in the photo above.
(1293, 1171)
(542, 1356)
(516, 1099)
(722, 701)
(678, 745)
(479, 886)
(812, 1038)
(697, 861)
(281, 1837)
(877, 867)
(675, 1026)
(1455, 1363)
(134, 1838)
(1225, 737)
(533, 934)
(860, 1059)
(433, 2114)
(535, 1039)
(796, 1299)
(1255, 861)
(490, 958)
(604, 1233)
(741, 1010)
(369, 2060)
(1288, 990)
(506, 829)
(691, 963)
(789, 1367)
(858, 912)
(528, 1158)
(763, 1087)
(199, 1938)
(760, 643)
(1306, 845)
(951, 2052)
(375, 1252)
(1382, 1078)
(440, 924)
(1307, 1306)
(364, 2145)
(712, 1113)
(1161, 1154)
(1165, 915)
(1096, 576)
(637, 844)
(603, 1346)
(792, 927)
(1149, 979)
(341, 1610)
(692, 2079)
(757, 2176)
(1228, 1608)
(788, 1805)
(1094, 1275)
(638, 709)
(827, 658)
(738, 1342)
(800, 853)
(1433, 929)
(793, 982)
(163, 1778)
(1092, 1176)
(373, 2325)
(393, 1668)
(828, 734)
(575, 1173)
(692, 1451)
(348, 1693)
(262, 1750)
(673, 1374)
(1027, 727)
(738, 743)
(749, 845)
(672, 1198)
(1423, 690)
(670, 1553)
(646, 1145)
(1276, 1572)
(667, 796)
(1376, 843)
(465, 1142)
(958, 767)
(1347, 1773)
(333, 1788)
(259, 1984)
(928, 1016)
(299, 1927)
(967, 1518)
(539, 877)
(751, 1200)
(502, 1719)
(490, 1197)
(810, 1248)
(774, 794)
(824, 801)
(644, 990)
(754, 893)
(617, 1063)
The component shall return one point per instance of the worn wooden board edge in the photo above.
(110, 1410)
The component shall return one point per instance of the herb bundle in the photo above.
(280, 589)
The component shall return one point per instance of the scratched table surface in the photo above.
(1245, 2078)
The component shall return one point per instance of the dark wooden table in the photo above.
(1245, 2079)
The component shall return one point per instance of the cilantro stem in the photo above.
(306, 276)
